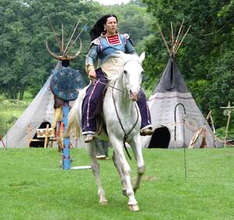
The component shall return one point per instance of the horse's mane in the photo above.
(120, 58)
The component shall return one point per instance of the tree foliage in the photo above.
(25, 62)
(133, 20)
(206, 57)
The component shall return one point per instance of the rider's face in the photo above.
(111, 25)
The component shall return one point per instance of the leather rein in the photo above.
(126, 134)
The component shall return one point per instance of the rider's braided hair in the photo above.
(98, 28)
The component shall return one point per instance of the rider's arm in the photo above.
(129, 48)
(91, 58)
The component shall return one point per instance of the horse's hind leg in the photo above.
(137, 149)
(122, 178)
(96, 172)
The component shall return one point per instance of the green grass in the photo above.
(32, 186)
(10, 111)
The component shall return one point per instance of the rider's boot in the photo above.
(146, 127)
(89, 138)
(147, 130)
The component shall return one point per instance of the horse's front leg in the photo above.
(96, 172)
(137, 149)
(125, 169)
(122, 177)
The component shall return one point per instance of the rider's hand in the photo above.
(92, 74)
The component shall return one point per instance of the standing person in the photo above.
(101, 149)
(105, 41)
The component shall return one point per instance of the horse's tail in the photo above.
(73, 122)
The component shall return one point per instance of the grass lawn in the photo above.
(32, 186)
(10, 111)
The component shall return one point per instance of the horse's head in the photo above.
(132, 74)
(128, 69)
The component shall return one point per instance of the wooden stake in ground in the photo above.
(4, 146)
(229, 110)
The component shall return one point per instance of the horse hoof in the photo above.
(133, 208)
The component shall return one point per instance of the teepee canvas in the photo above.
(41, 110)
(176, 118)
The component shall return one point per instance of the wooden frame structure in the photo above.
(46, 135)
(229, 110)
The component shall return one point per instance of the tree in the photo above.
(25, 63)
(202, 54)
(133, 20)
(15, 55)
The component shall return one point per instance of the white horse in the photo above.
(122, 119)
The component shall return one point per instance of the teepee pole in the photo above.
(178, 34)
(164, 39)
(68, 44)
(183, 39)
(172, 38)
(62, 44)
(77, 37)
(209, 116)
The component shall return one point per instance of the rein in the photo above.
(121, 124)
(107, 85)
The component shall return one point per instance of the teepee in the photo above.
(41, 110)
(176, 118)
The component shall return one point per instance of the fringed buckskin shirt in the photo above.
(104, 46)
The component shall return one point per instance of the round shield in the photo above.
(65, 83)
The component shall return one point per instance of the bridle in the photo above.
(126, 134)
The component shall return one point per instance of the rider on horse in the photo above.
(106, 41)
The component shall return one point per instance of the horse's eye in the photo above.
(125, 72)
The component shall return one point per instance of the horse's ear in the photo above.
(142, 57)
